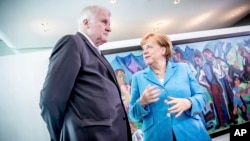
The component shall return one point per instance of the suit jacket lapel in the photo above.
(94, 50)
(102, 58)
(106, 63)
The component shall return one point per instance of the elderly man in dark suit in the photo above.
(81, 99)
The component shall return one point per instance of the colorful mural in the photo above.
(221, 66)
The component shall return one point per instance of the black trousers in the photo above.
(174, 138)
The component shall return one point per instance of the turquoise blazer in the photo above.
(157, 124)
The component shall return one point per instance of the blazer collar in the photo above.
(171, 69)
(149, 73)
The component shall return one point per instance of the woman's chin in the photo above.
(148, 63)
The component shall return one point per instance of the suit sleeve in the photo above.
(62, 72)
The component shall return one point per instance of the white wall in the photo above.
(225, 137)
(21, 79)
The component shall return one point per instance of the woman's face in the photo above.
(198, 61)
(152, 52)
(121, 77)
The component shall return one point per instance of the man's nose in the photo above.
(108, 28)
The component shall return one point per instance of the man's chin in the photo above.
(104, 40)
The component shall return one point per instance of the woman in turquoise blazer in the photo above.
(165, 96)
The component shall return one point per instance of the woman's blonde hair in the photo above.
(162, 40)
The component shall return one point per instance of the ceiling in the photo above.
(38, 24)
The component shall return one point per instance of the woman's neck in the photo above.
(160, 68)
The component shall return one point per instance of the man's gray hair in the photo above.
(89, 13)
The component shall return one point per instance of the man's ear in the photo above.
(85, 22)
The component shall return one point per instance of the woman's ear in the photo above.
(163, 50)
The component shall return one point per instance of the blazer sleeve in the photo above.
(136, 112)
(198, 98)
(62, 71)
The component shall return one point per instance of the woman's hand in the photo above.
(149, 95)
(179, 105)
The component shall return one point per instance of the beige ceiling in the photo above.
(21, 20)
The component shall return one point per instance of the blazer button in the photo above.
(124, 118)
(168, 114)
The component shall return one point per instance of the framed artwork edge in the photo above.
(180, 41)
(184, 41)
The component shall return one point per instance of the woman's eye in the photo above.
(148, 47)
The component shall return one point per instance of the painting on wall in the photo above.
(222, 68)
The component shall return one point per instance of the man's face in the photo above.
(99, 28)
(208, 56)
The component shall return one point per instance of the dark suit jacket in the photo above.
(81, 99)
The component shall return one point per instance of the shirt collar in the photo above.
(91, 42)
